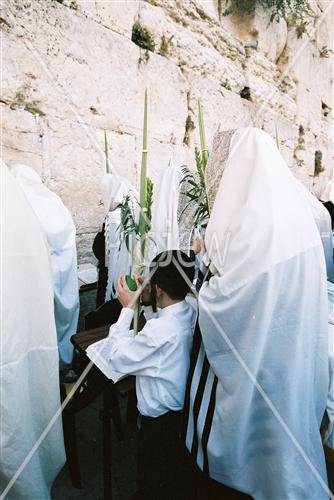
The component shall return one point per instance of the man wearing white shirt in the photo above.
(159, 356)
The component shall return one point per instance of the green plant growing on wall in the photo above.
(318, 168)
(142, 37)
(301, 138)
(188, 128)
(296, 9)
(226, 84)
(325, 52)
(165, 45)
(301, 28)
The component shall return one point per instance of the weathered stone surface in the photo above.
(72, 71)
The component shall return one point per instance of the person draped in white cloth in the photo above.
(118, 260)
(258, 380)
(59, 230)
(172, 226)
(29, 376)
(323, 221)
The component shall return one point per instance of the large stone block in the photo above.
(72, 72)
(116, 16)
(22, 138)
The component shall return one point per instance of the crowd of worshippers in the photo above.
(234, 359)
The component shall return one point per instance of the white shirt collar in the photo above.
(173, 309)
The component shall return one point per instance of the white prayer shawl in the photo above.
(59, 230)
(118, 260)
(324, 225)
(29, 354)
(165, 227)
(172, 224)
(114, 189)
(263, 319)
(329, 436)
(323, 221)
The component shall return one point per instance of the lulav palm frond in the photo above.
(149, 202)
(195, 191)
(128, 227)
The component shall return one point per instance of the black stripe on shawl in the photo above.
(193, 360)
(197, 340)
(197, 405)
(199, 281)
(203, 276)
(208, 424)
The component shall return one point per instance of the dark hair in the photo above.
(173, 271)
(330, 207)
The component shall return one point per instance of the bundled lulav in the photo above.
(149, 202)
(140, 253)
(195, 189)
(134, 233)
(128, 226)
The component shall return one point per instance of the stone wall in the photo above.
(70, 71)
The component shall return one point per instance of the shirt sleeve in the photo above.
(122, 326)
(133, 354)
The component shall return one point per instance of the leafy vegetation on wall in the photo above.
(296, 9)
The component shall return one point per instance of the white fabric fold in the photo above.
(329, 436)
(114, 189)
(118, 259)
(29, 376)
(165, 228)
(59, 229)
(263, 319)
(324, 224)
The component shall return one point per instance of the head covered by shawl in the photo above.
(115, 189)
(59, 230)
(172, 216)
(54, 217)
(29, 368)
(263, 321)
(164, 227)
(323, 221)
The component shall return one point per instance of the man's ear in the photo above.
(158, 291)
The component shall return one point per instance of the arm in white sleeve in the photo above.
(122, 326)
(133, 354)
